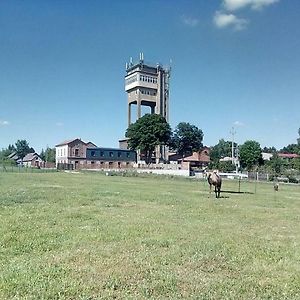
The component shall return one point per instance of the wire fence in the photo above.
(19, 169)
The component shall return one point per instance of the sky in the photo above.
(234, 64)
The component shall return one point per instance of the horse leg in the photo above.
(216, 192)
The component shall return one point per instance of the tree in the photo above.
(50, 155)
(148, 132)
(291, 148)
(276, 164)
(221, 150)
(250, 154)
(4, 153)
(22, 148)
(298, 139)
(269, 149)
(187, 138)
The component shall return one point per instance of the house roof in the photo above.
(67, 142)
(288, 155)
(198, 156)
(91, 144)
(13, 155)
(31, 156)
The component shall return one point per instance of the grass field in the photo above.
(90, 236)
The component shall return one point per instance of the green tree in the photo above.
(276, 164)
(291, 148)
(187, 138)
(4, 153)
(250, 154)
(269, 150)
(148, 132)
(22, 148)
(50, 155)
(221, 150)
(42, 154)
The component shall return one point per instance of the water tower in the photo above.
(148, 85)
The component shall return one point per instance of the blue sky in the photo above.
(234, 63)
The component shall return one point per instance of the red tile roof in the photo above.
(288, 155)
(198, 156)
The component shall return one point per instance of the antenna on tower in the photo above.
(141, 56)
(130, 61)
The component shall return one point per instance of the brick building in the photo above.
(81, 155)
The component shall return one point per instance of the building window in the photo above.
(93, 153)
(119, 154)
(127, 154)
(101, 153)
(76, 152)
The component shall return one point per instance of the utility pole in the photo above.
(232, 132)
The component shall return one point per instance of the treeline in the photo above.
(152, 130)
(249, 156)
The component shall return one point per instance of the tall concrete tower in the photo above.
(148, 85)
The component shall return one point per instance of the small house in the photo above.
(33, 160)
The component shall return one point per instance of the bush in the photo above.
(293, 179)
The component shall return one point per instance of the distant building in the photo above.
(72, 152)
(199, 159)
(13, 156)
(80, 155)
(110, 158)
(266, 156)
(32, 160)
(288, 156)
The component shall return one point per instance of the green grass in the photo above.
(90, 236)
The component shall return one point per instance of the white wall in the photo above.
(61, 154)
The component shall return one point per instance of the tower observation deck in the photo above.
(147, 85)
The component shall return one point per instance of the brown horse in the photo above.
(213, 178)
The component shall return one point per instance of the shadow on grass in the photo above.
(230, 192)
(234, 192)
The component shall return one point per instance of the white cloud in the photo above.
(4, 123)
(189, 21)
(223, 20)
(238, 124)
(232, 5)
